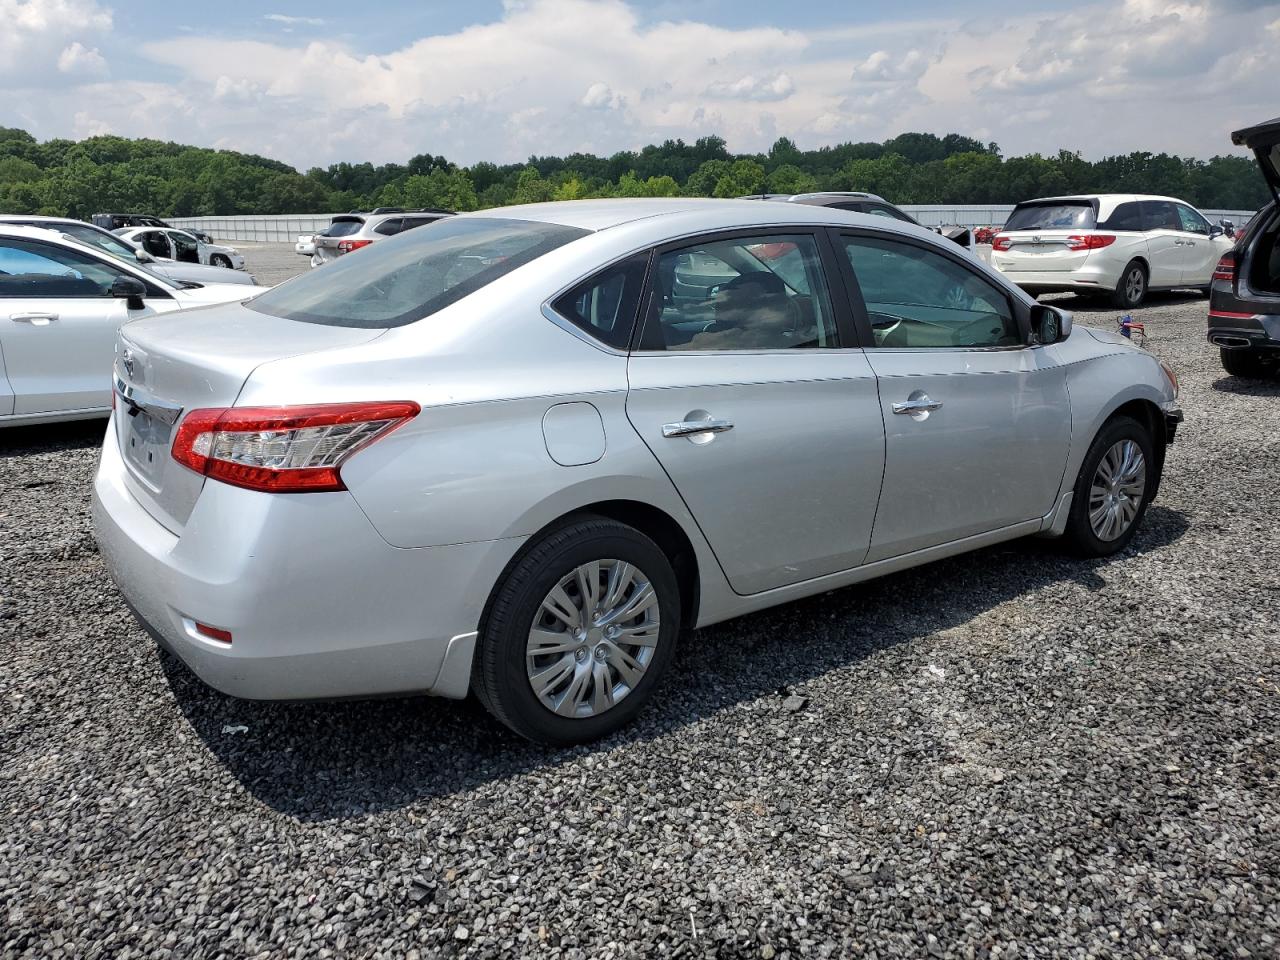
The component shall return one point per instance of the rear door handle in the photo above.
(35, 319)
(688, 428)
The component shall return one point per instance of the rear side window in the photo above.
(1126, 216)
(884, 210)
(389, 227)
(605, 306)
(1072, 215)
(344, 228)
(415, 274)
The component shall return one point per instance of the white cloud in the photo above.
(294, 21)
(78, 59)
(42, 41)
(557, 76)
(752, 87)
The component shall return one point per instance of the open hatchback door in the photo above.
(1264, 141)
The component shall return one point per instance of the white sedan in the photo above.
(64, 301)
(182, 246)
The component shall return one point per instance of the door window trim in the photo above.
(564, 323)
(842, 327)
(1020, 312)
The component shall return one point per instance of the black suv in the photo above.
(1244, 300)
(120, 221)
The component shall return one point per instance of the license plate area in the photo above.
(144, 442)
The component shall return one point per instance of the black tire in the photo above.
(499, 675)
(1250, 364)
(218, 260)
(1079, 535)
(1132, 288)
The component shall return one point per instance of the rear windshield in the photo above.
(343, 228)
(414, 274)
(1052, 216)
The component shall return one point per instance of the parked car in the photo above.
(351, 231)
(305, 245)
(129, 252)
(1244, 303)
(183, 246)
(501, 454)
(1118, 245)
(122, 221)
(859, 202)
(64, 301)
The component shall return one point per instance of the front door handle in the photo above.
(920, 404)
(689, 428)
(35, 319)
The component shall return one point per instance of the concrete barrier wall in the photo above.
(286, 228)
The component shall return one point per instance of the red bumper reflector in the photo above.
(1231, 315)
(213, 633)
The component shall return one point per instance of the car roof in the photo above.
(1109, 197)
(709, 214)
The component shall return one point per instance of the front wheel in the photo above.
(1132, 288)
(1113, 489)
(218, 260)
(1250, 364)
(579, 631)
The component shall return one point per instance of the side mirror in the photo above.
(1049, 324)
(143, 257)
(130, 289)
(1215, 231)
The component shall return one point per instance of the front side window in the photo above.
(605, 305)
(187, 246)
(32, 269)
(155, 243)
(414, 274)
(750, 293)
(1191, 221)
(916, 297)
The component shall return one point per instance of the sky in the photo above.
(320, 82)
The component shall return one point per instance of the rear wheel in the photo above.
(1252, 364)
(1113, 489)
(578, 633)
(218, 260)
(1132, 288)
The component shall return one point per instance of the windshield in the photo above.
(103, 241)
(1072, 215)
(414, 274)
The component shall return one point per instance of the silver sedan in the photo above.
(520, 451)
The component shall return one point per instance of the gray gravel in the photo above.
(1010, 754)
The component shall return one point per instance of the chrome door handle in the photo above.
(688, 428)
(35, 319)
(917, 405)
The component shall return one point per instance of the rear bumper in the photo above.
(1090, 276)
(317, 603)
(1244, 332)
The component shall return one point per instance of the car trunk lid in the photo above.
(1264, 141)
(167, 366)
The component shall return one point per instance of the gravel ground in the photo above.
(1010, 754)
(271, 263)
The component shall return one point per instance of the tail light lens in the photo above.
(1226, 268)
(283, 449)
(1090, 241)
(346, 246)
(1001, 243)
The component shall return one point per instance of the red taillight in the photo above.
(346, 246)
(1226, 268)
(1001, 243)
(283, 449)
(1090, 241)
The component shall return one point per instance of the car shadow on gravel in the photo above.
(318, 761)
(48, 437)
(1248, 387)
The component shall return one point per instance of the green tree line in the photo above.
(118, 174)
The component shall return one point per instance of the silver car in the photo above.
(130, 252)
(519, 453)
(352, 231)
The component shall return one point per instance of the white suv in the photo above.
(1120, 244)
